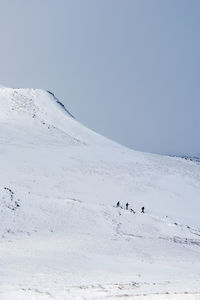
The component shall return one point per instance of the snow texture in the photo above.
(62, 236)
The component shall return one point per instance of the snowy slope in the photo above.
(62, 236)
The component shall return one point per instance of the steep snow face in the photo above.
(61, 233)
(41, 116)
(35, 103)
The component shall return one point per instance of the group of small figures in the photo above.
(127, 205)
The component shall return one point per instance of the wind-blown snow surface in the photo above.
(62, 236)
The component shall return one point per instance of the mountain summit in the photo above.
(35, 103)
(38, 111)
(62, 235)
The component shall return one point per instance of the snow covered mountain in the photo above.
(62, 236)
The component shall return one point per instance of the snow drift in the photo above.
(61, 233)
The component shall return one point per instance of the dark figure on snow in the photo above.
(127, 205)
(142, 211)
(118, 204)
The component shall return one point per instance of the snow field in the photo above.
(62, 236)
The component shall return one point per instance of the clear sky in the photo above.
(129, 69)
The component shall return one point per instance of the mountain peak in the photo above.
(40, 114)
(23, 102)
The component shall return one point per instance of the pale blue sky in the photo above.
(129, 69)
